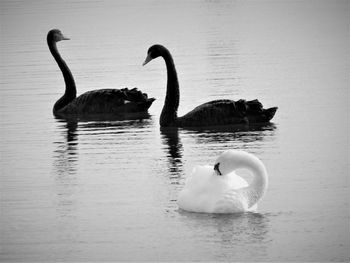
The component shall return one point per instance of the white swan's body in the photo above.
(218, 189)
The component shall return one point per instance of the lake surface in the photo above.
(107, 190)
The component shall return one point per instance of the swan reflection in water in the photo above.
(171, 140)
(66, 153)
(233, 231)
(243, 134)
(65, 159)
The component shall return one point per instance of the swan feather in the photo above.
(108, 101)
(213, 113)
(103, 101)
(210, 190)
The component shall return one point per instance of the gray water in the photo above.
(107, 190)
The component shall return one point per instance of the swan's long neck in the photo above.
(169, 113)
(70, 92)
(256, 189)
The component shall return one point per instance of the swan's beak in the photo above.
(65, 38)
(216, 169)
(148, 59)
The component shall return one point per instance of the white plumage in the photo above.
(218, 189)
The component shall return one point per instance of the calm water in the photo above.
(107, 190)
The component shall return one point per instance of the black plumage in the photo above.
(102, 101)
(111, 101)
(213, 113)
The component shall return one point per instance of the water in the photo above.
(107, 191)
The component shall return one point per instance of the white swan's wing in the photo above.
(236, 199)
(231, 202)
(199, 176)
(206, 192)
(193, 196)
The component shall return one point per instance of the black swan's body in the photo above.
(103, 101)
(217, 112)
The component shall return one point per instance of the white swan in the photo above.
(218, 189)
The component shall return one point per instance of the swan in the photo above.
(218, 189)
(102, 101)
(213, 113)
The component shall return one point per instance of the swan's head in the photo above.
(153, 52)
(232, 160)
(56, 35)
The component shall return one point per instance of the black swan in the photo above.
(103, 101)
(213, 113)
